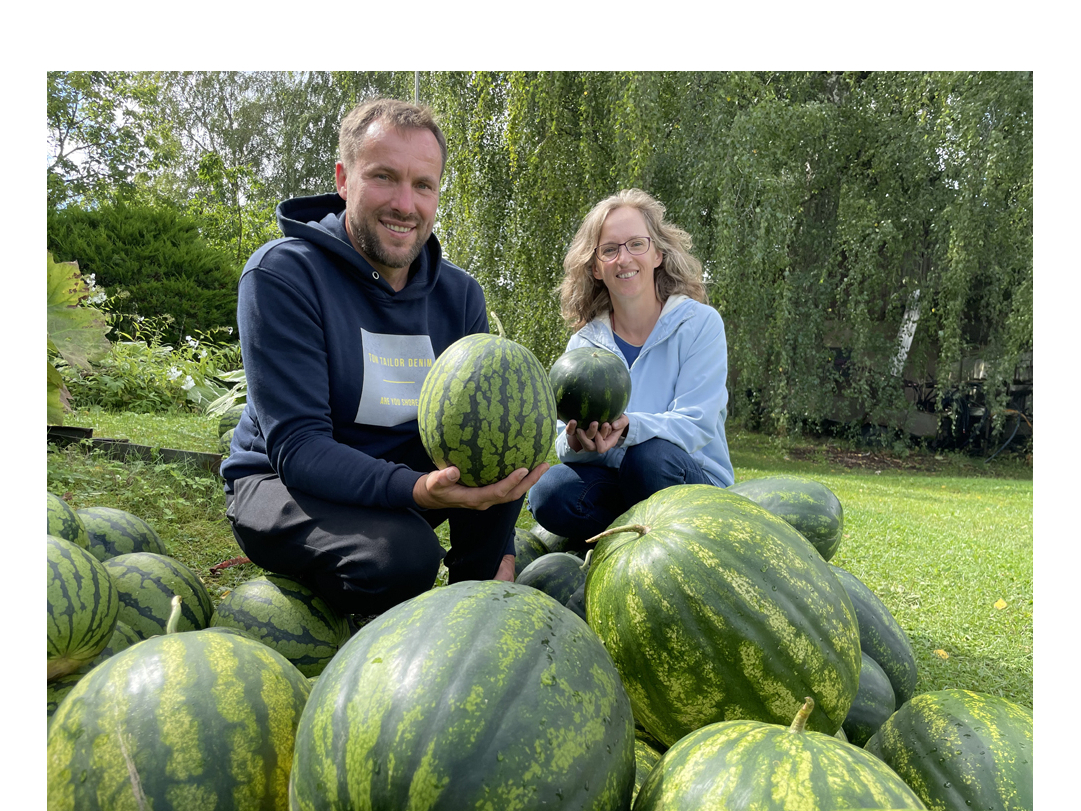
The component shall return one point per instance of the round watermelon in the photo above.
(184, 721)
(486, 407)
(482, 694)
(590, 384)
(715, 609)
(745, 765)
(557, 574)
(806, 504)
(230, 419)
(115, 532)
(64, 522)
(961, 750)
(288, 616)
(527, 548)
(83, 607)
(147, 582)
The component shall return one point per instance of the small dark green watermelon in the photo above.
(590, 385)
(486, 407)
(287, 616)
(64, 522)
(559, 543)
(881, 636)
(557, 574)
(115, 532)
(751, 765)
(527, 548)
(230, 419)
(806, 504)
(147, 583)
(960, 750)
(873, 704)
(225, 441)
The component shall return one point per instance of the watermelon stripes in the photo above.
(478, 695)
(65, 523)
(196, 720)
(83, 607)
(750, 764)
(147, 582)
(487, 408)
(117, 532)
(289, 617)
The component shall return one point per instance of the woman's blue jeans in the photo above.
(579, 501)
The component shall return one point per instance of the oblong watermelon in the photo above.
(115, 532)
(83, 607)
(486, 407)
(745, 765)
(881, 636)
(808, 505)
(715, 609)
(875, 701)
(482, 694)
(960, 750)
(190, 720)
(64, 522)
(289, 617)
(590, 385)
(147, 582)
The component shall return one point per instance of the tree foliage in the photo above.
(828, 209)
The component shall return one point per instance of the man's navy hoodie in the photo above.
(334, 359)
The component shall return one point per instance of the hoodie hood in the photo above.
(320, 219)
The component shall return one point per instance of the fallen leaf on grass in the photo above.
(1000, 604)
(941, 654)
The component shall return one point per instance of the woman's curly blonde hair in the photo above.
(582, 296)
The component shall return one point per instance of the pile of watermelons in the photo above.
(703, 654)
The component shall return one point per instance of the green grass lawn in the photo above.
(946, 542)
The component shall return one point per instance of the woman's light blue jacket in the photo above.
(678, 387)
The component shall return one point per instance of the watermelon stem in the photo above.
(498, 325)
(174, 616)
(641, 529)
(804, 713)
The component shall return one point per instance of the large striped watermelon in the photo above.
(486, 407)
(745, 765)
(64, 522)
(83, 607)
(194, 720)
(289, 617)
(960, 750)
(714, 609)
(115, 532)
(147, 582)
(590, 385)
(806, 504)
(482, 694)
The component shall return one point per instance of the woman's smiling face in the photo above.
(626, 277)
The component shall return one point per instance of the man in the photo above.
(327, 480)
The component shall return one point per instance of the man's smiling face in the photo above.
(391, 192)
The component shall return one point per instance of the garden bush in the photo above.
(157, 257)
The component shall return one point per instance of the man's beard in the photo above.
(367, 239)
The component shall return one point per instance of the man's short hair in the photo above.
(399, 114)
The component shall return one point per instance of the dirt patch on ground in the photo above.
(865, 460)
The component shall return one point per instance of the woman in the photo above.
(632, 287)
